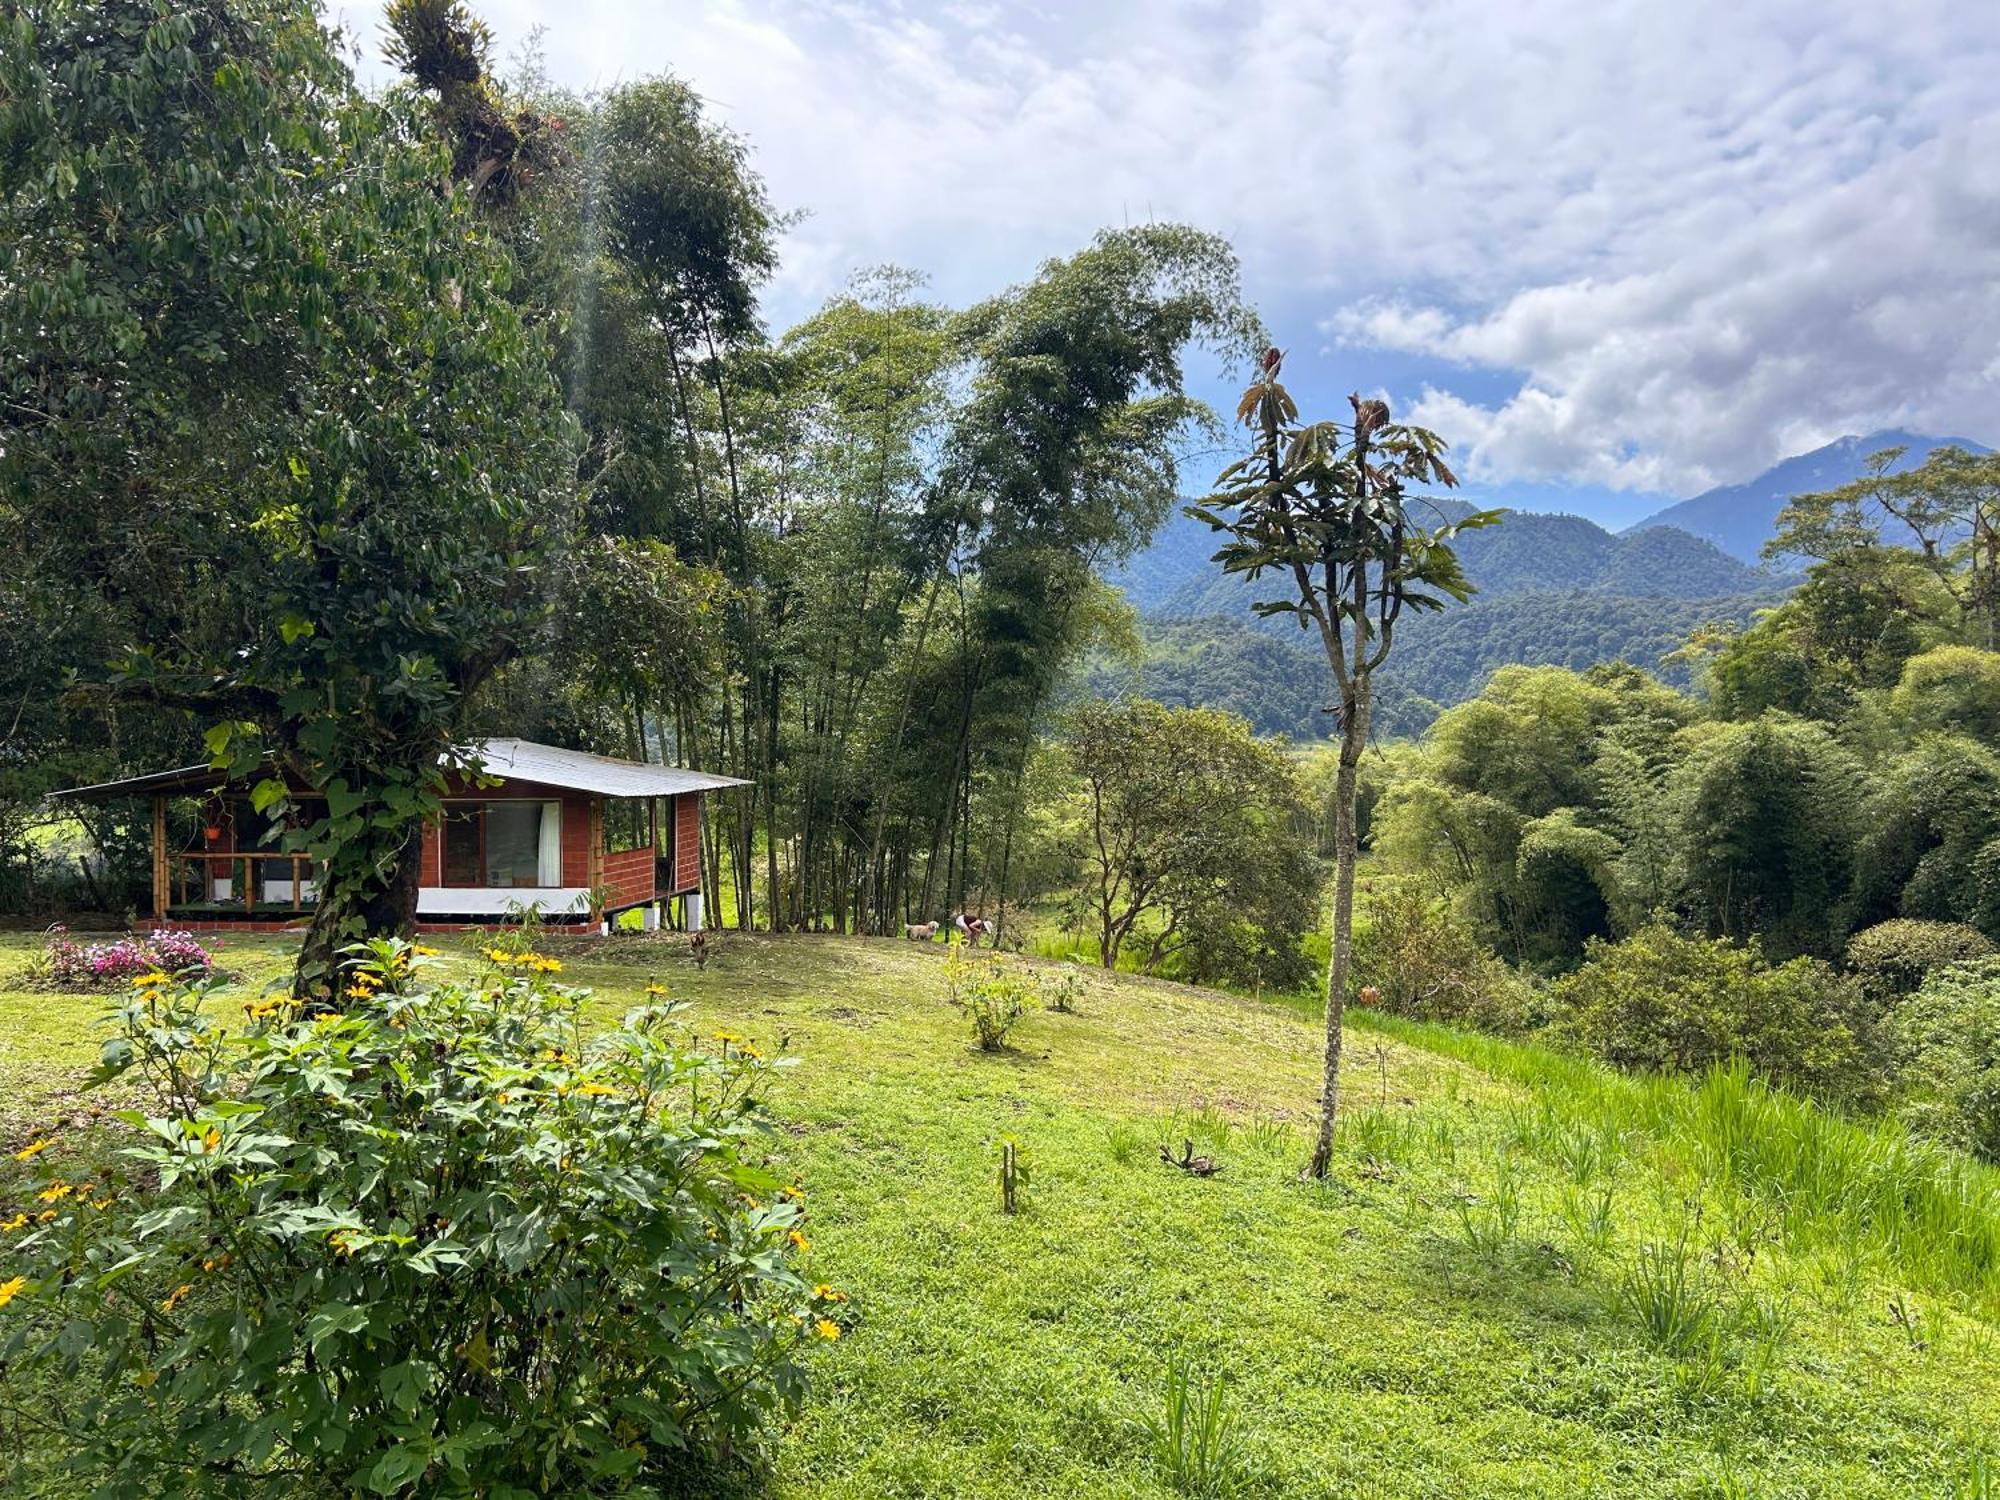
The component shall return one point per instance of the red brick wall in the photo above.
(579, 830)
(687, 843)
(629, 877)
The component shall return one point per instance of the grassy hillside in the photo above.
(1483, 1302)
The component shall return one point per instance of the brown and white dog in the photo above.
(922, 932)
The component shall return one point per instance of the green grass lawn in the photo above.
(1460, 1313)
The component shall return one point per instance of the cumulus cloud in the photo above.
(1872, 304)
(1532, 186)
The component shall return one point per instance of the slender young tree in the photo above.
(1324, 504)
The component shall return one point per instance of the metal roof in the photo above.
(509, 760)
(580, 771)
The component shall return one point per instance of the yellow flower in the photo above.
(792, 1194)
(726, 1038)
(174, 1297)
(30, 1152)
(55, 1192)
(825, 1293)
(213, 1139)
(827, 1329)
(218, 1262)
(495, 955)
(148, 981)
(600, 1091)
(751, 1052)
(13, 1224)
(800, 1242)
(504, 1097)
(45, 1215)
(425, 952)
(656, 989)
(9, 1290)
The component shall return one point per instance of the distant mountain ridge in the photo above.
(1740, 518)
(1527, 553)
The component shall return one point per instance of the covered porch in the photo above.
(580, 839)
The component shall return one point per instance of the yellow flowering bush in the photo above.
(444, 1242)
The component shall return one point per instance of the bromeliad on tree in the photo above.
(1326, 505)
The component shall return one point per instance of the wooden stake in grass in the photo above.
(1323, 504)
(1013, 1175)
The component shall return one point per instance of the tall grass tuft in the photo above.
(1195, 1438)
(1665, 1293)
(1865, 1189)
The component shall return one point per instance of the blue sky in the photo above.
(1615, 252)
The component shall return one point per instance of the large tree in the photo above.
(1189, 831)
(267, 401)
(1324, 505)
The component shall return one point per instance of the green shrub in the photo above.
(1945, 1040)
(1676, 1004)
(1891, 959)
(994, 997)
(440, 1243)
(1424, 964)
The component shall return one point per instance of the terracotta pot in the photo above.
(213, 833)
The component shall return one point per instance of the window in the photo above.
(628, 825)
(514, 845)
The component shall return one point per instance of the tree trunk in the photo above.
(1346, 851)
(354, 906)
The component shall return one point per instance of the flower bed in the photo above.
(165, 950)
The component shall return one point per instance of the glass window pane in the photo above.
(513, 843)
(462, 862)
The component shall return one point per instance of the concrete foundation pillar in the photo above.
(691, 905)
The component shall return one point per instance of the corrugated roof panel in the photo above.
(580, 771)
(522, 760)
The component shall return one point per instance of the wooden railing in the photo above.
(200, 869)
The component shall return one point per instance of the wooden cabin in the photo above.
(582, 838)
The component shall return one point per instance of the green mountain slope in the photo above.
(1274, 676)
(1553, 590)
(1527, 553)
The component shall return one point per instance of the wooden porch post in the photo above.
(159, 859)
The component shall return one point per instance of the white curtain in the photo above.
(549, 861)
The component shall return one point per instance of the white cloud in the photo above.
(1547, 186)
(1872, 304)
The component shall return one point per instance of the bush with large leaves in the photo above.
(445, 1242)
